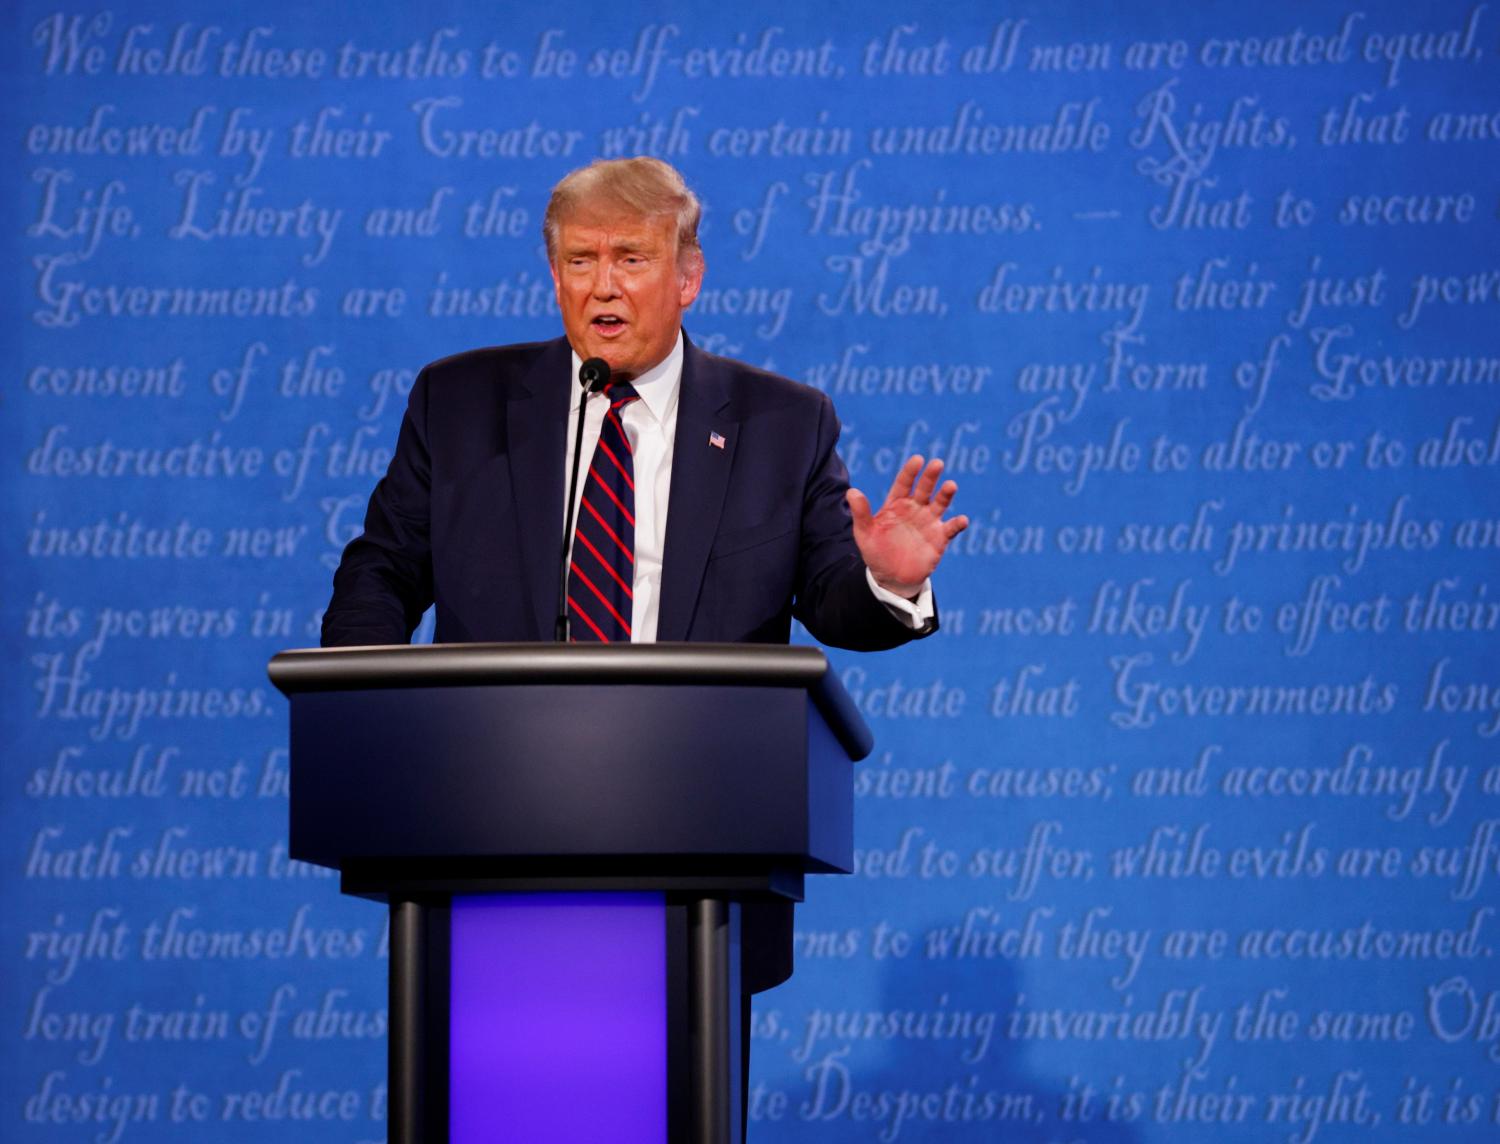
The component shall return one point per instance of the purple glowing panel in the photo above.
(559, 1019)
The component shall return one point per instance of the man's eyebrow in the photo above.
(638, 244)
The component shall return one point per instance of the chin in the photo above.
(621, 363)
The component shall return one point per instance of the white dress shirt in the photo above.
(651, 428)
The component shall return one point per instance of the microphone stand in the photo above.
(593, 376)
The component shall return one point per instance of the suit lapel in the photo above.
(536, 431)
(700, 478)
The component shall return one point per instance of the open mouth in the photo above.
(608, 324)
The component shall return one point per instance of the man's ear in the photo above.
(690, 267)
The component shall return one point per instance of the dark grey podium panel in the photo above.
(713, 774)
(549, 770)
(526, 752)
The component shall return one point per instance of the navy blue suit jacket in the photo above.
(470, 512)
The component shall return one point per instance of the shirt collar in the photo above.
(659, 385)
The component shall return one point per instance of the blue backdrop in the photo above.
(1185, 825)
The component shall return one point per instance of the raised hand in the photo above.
(903, 542)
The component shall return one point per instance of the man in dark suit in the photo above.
(742, 515)
(763, 525)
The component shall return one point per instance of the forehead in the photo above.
(591, 227)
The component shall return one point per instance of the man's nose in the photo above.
(604, 279)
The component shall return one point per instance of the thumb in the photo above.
(859, 506)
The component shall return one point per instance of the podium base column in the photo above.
(714, 957)
(417, 1053)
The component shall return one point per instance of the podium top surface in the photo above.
(403, 666)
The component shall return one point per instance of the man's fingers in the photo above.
(901, 486)
(952, 528)
(945, 496)
(927, 482)
(859, 507)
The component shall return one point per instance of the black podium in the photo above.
(565, 836)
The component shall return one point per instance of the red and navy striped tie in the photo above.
(601, 571)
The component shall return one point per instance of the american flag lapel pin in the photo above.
(716, 440)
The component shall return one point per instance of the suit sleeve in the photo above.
(384, 580)
(834, 601)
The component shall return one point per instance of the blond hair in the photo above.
(642, 185)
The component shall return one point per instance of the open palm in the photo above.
(905, 539)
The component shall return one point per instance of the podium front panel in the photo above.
(568, 772)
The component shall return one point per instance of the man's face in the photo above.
(622, 287)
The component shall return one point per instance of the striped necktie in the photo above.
(601, 571)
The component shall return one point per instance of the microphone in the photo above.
(593, 376)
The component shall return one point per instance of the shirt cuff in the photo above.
(917, 614)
